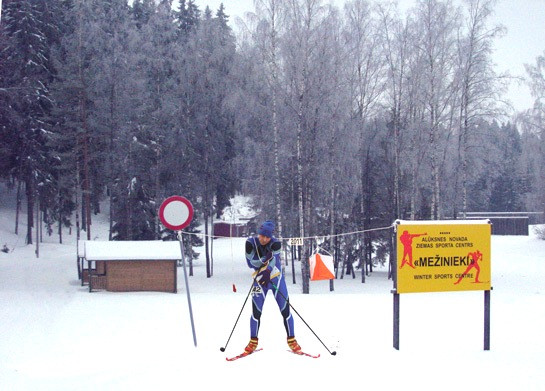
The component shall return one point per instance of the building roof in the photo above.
(132, 250)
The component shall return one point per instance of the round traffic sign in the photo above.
(176, 213)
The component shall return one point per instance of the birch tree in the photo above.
(479, 87)
(271, 14)
(397, 51)
(367, 81)
(438, 23)
(304, 16)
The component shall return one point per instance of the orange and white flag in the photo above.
(321, 267)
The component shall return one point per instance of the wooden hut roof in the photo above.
(132, 250)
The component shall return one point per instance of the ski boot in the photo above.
(293, 345)
(252, 345)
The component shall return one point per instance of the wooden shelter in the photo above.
(125, 266)
(227, 230)
(504, 223)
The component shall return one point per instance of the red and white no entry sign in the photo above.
(176, 213)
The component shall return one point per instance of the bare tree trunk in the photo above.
(110, 215)
(37, 251)
(41, 220)
(332, 227)
(207, 192)
(301, 209)
(434, 175)
(206, 240)
(397, 196)
(414, 191)
(83, 119)
(212, 241)
(86, 184)
(60, 218)
(111, 175)
(157, 192)
(30, 208)
(464, 171)
(343, 263)
(274, 83)
(17, 206)
(129, 194)
(76, 193)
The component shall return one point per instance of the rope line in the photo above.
(299, 237)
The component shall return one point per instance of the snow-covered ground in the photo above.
(55, 335)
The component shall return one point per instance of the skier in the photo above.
(263, 255)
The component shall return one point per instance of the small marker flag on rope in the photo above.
(321, 267)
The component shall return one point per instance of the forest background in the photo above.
(333, 119)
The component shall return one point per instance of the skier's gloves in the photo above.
(264, 277)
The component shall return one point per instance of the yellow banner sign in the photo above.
(448, 255)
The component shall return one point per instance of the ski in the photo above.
(301, 353)
(244, 354)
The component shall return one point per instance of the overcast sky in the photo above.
(524, 41)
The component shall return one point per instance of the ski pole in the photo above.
(238, 317)
(240, 313)
(333, 353)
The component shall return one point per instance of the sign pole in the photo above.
(187, 288)
(176, 213)
(487, 320)
(394, 291)
(396, 320)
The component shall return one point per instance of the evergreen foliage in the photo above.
(334, 120)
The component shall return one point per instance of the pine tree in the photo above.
(116, 116)
(26, 56)
(507, 187)
(209, 56)
(74, 98)
(187, 18)
(141, 11)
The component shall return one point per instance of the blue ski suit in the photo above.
(255, 257)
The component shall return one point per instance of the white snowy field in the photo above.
(55, 335)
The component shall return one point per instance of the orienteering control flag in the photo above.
(321, 267)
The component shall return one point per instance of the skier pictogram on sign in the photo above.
(475, 258)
